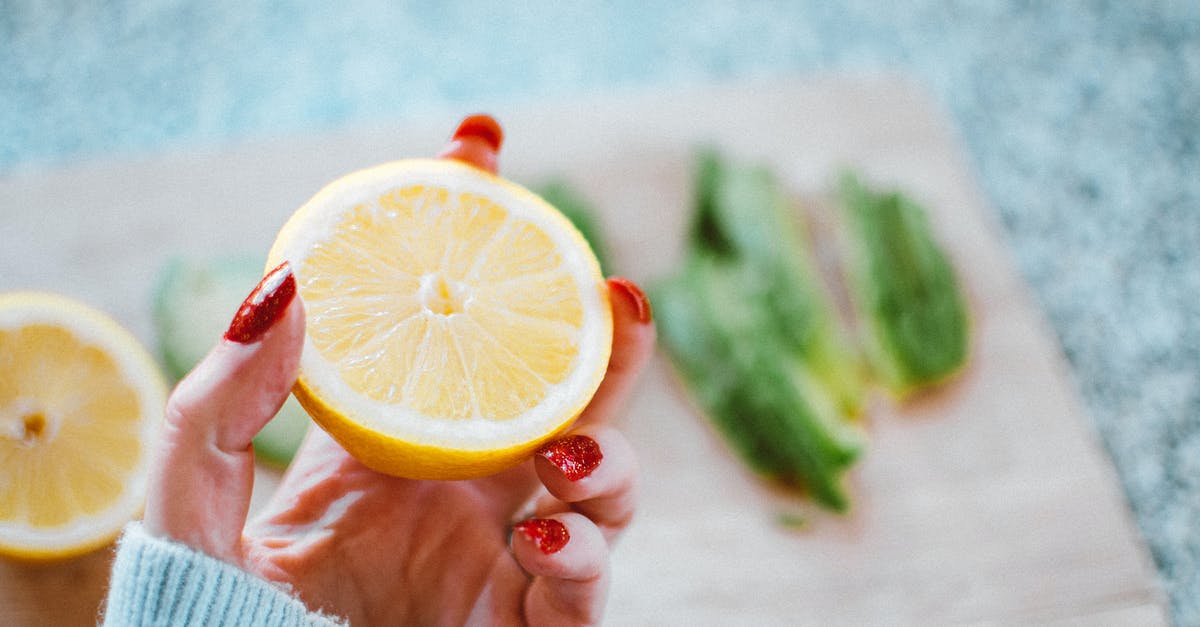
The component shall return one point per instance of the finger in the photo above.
(202, 474)
(594, 472)
(633, 345)
(568, 558)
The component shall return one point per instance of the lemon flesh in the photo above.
(80, 401)
(454, 319)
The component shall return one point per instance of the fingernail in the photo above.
(634, 295)
(576, 456)
(484, 127)
(547, 534)
(264, 306)
(477, 142)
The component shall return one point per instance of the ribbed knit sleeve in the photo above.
(159, 582)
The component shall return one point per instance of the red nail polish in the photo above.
(548, 534)
(264, 306)
(576, 456)
(477, 142)
(635, 296)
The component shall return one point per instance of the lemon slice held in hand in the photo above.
(80, 403)
(455, 320)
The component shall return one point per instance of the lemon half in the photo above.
(80, 404)
(455, 320)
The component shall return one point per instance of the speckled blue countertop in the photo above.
(1082, 118)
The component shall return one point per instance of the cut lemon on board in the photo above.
(455, 320)
(80, 403)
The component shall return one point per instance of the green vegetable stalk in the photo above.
(913, 317)
(755, 339)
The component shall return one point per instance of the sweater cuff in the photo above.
(159, 582)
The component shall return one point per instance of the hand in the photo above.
(381, 550)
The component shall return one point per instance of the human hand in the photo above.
(383, 550)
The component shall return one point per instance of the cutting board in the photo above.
(989, 501)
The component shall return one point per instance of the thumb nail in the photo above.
(264, 306)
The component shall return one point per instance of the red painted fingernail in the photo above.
(477, 142)
(547, 534)
(576, 456)
(484, 127)
(635, 295)
(264, 306)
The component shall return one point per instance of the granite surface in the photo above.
(1082, 119)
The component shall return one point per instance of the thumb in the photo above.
(203, 471)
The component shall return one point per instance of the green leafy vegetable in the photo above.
(754, 338)
(910, 307)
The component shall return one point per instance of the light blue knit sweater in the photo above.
(159, 582)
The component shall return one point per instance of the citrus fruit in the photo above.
(80, 403)
(455, 320)
(191, 310)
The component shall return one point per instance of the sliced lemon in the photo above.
(455, 320)
(80, 403)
